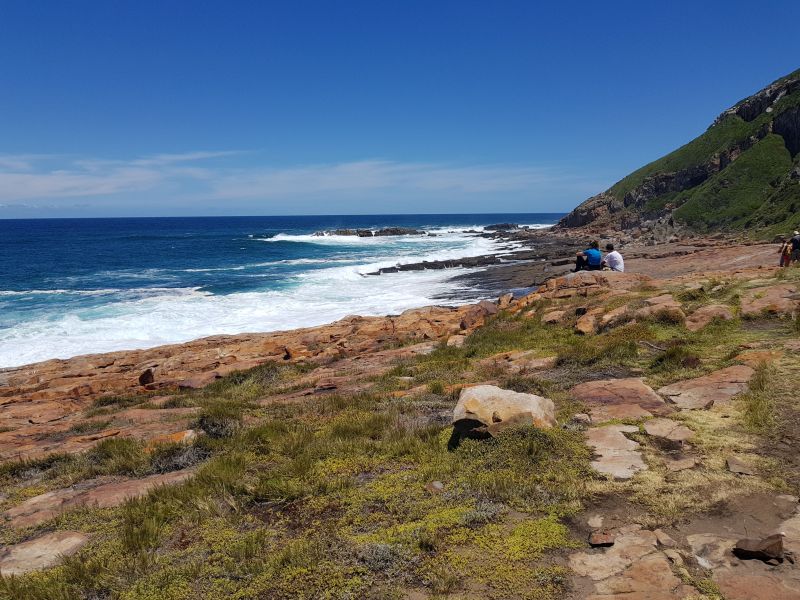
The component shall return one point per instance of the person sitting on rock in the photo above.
(613, 259)
(589, 259)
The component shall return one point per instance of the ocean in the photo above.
(77, 286)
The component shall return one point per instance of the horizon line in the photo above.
(278, 216)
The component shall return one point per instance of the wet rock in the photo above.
(617, 455)
(386, 231)
(703, 392)
(41, 552)
(706, 314)
(736, 465)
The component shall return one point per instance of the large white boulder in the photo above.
(497, 408)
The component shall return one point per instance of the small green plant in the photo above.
(118, 456)
(677, 356)
(88, 427)
(176, 456)
(118, 402)
(436, 387)
(221, 419)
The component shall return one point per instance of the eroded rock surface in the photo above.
(620, 399)
(496, 408)
(43, 507)
(704, 315)
(616, 455)
(715, 388)
(779, 300)
(41, 552)
(668, 430)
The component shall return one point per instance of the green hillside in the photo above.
(743, 172)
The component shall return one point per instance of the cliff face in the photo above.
(742, 173)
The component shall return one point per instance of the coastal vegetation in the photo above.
(353, 493)
(740, 175)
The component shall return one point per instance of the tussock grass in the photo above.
(221, 419)
(757, 405)
(617, 347)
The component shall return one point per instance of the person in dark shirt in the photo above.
(589, 259)
(795, 242)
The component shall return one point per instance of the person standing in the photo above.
(795, 242)
(613, 259)
(785, 252)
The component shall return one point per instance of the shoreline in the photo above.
(543, 255)
(257, 287)
(41, 402)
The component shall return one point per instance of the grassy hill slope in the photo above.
(741, 173)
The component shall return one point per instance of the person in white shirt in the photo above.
(613, 259)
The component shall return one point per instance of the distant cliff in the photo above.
(743, 173)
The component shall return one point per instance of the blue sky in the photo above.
(175, 107)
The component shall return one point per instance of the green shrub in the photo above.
(221, 419)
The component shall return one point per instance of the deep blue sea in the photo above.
(77, 286)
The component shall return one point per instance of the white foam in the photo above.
(147, 317)
(132, 292)
(319, 298)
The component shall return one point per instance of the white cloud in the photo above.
(201, 174)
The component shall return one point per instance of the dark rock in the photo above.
(766, 549)
(147, 377)
(501, 227)
(398, 231)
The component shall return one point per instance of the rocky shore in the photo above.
(644, 433)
